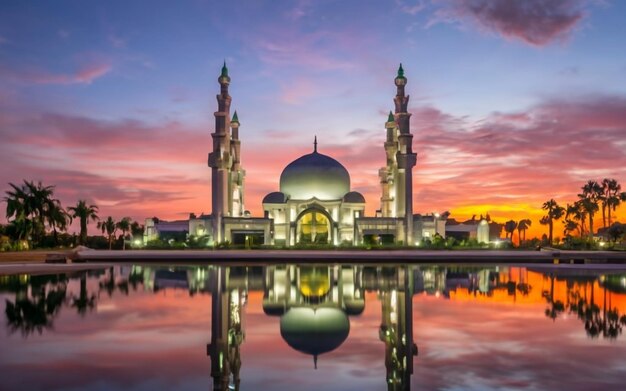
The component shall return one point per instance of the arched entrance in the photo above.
(314, 226)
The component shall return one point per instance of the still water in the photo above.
(323, 327)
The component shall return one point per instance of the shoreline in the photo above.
(34, 262)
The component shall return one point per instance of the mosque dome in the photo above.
(315, 175)
(354, 197)
(275, 198)
(314, 330)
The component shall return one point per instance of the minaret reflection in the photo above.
(395, 292)
(314, 304)
(227, 335)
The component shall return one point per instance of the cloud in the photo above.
(510, 163)
(534, 22)
(127, 167)
(83, 75)
(411, 8)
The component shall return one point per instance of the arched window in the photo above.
(313, 227)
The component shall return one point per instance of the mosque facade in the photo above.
(315, 203)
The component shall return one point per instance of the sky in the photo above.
(513, 102)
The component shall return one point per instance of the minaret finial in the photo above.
(224, 69)
(391, 118)
(315, 144)
(400, 71)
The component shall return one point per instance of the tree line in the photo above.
(578, 217)
(34, 214)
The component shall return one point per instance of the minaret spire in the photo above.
(315, 144)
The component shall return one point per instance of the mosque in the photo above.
(314, 203)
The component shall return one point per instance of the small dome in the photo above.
(354, 306)
(273, 308)
(314, 331)
(354, 197)
(315, 175)
(275, 198)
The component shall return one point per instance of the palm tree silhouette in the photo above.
(84, 213)
(522, 226)
(109, 227)
(509, 228)
(124, 226)
(555, 212)
(589, 198)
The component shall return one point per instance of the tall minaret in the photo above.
(220, 159)
(237, 174)
(405, 157)
(388, 173)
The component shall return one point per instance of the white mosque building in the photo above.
(315, 203)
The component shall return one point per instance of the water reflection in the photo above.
(315, 306)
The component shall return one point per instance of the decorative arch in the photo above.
(314, 225)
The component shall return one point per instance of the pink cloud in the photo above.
(83, 75)
(534, 22)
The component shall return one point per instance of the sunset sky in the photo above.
(513, 102)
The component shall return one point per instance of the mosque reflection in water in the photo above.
(315, 303)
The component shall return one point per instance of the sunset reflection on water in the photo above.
(214, 327)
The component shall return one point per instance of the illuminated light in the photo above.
(437, 215)
(602, 244)
(497, 243)
(137, 242)
(417, 243)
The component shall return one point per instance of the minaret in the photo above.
(237, 174)
(388, 173)
(405, 157)
(220, 159)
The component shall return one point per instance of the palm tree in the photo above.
(124, 226)
(522, 226)
(509, 228)
(109, 227)
(31, 206)
(42, 203)
(57, 218)
(18, 212)
(573, 215)
(589, 198)
(611, 198)
(85, 213)
(555, 212)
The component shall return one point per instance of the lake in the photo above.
(314, 327)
